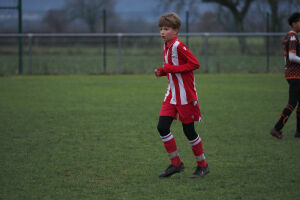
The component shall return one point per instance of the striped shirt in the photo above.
(179, 64)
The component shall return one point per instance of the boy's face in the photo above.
(296, 26)
(168, 33)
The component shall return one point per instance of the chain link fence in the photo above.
(138, 53)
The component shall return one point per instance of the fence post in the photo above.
(104, 41)
(30, 52)
(187, 27)
(20, 38)
(120, 70)
(206, 35)
(268, 44)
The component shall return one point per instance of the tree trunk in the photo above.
(276, 24)
(239, 16)
(240, 28)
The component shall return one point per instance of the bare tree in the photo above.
(180, 6)
(90, 11)
(56, 19)
(276, 22)
(177, 5)
(238, 9)
(280, 10)
(225, 19)
(209, 22)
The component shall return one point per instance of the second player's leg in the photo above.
(297, 134)
(292, 103)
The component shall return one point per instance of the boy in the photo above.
(291, 49)
(181, 97)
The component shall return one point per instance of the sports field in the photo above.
(95, 137)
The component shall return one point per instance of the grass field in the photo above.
(95, 137)
(139, 55)
(132, 64)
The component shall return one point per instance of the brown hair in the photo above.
(170, 20)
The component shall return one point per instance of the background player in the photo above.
(181, 97)
(291, 49)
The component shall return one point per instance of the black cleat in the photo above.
(200, 172)
(172, 169)
(297, 134)
(277, 134)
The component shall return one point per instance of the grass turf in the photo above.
(94, 137)
(138, 55)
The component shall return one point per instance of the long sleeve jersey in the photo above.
(179, 64)
(291, 44)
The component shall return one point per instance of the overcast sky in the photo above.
(121, 5)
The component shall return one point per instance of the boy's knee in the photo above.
(189, 131)
(163, 130)
(293, 102)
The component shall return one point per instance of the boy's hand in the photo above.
(158, 72)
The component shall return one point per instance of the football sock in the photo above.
(197, 149)
(170, 146)
(298, 118)
(284, 117)
(195, 142)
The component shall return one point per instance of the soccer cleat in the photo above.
(200, 172)
(277, 134)
(172, 169)
(297, 134)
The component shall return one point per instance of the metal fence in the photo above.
(137, 53)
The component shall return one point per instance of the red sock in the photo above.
(170, 146)
(198, 151)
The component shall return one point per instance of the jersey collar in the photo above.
(170, 43)
(292, 31)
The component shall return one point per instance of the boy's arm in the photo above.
(190, 65)
(293, 49)
(294, 58)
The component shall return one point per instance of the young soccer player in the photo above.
(181, 97)
(291, 49)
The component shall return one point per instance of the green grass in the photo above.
(95, 137)
(139, 55)
(133, 64)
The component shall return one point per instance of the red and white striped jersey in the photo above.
(179, 64)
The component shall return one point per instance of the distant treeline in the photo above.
(203, 16)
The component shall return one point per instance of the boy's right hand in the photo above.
(157, 73)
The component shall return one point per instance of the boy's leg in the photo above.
(187, 115)
(195, 142)
(297, 134)
(197, 148)
(287, 111)
(292, 103)
(168, 139)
